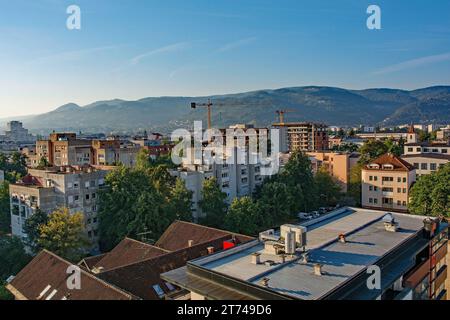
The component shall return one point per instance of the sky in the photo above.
(140, 48)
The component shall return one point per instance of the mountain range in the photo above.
(334, 106)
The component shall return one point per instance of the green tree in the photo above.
(12, 257)
(213, 204)
(372, 149)
(242, 216)
(354, 185)
(180, 200)
(14, 166)
(394, 147)
(299, 178)
(329, 190)
(64, 234)
(4, 293)
(274, 202)
(143, 159)
(430, 195)
(5, 215)
(137, 200)
(32, 229)
(43, 163)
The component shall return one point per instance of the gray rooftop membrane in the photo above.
(367, 242)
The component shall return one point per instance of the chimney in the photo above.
(318, 269)
(256, 258)
(342, 238)
(190, 243)
(265, 282)
(210, 250)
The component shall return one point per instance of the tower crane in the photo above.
(281, 113)
(209, 106)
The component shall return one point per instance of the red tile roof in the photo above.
(128, 251)
(47, 269)
(179, 233)
(388, 158)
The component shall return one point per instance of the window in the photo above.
(416, 165)
(158, 290)
(375, 201)
(424, 166)
(370, 200)
(76, 198)
(170, 286)
(370, 178)
(419, 149)
(375, 188)
(404, 190)
(404, 180)
(388, 179)
(88, 197)
(399, 190)
(370, 188)
(444, 151)
(388, 189)
(410, 149)
(375, 178)
(399, 179)
(404, 203)
(399, 203)
(433, 166)
(94, 220)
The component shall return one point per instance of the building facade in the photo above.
(427, 163)
(304, 136)
(75, 188)
(385, 183)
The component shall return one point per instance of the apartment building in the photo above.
(427, 163)
(385, 183)
(235, 180)
(303, 136)
(75, 188)
(15, 132)
(65, 149)
(443, 134)
(330, 258)
(337, 164)
(414, 146)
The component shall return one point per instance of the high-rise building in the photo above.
(303, 136)
(15, 132)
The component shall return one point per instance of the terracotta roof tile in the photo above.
(178, 234)
(47, 269)
(398, 163)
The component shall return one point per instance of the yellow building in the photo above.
(386, 182)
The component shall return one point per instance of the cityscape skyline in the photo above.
(178, 48)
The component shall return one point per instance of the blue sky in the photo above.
(139, 48)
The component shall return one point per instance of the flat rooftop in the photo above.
(367, 242)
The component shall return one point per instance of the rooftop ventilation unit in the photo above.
(389, 223)
(299, 232)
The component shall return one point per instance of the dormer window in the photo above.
(374, 166)
(388, 167)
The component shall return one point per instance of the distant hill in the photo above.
(334, 106)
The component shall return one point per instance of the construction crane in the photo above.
(281, 113)
(208, 105)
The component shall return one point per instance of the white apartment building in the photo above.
(413, 146)
(75, 188)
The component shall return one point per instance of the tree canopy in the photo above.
(430, 195)
(64, 234)
(213, 204)
(145, 199)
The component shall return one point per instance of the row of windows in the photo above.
(388, 179)
(424, 166)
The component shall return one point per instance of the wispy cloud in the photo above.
(72, 55)
(166, 49)
(414, 63)
(235, 44)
